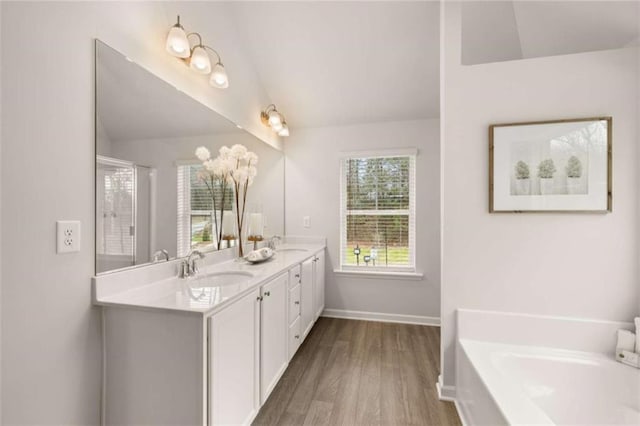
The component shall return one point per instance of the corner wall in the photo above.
(312, 176)
(575, 265)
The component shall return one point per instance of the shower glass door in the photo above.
(116, 214)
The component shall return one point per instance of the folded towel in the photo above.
(637, 321)
(259, 255)
(626, 342)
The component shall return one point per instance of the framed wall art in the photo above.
(551, 166)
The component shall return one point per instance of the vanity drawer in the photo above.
(295, 337)
(294, 303)
(294, 276)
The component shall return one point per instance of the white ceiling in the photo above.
(335, 63)
(134, 104)
(327, 63)
(506, 30)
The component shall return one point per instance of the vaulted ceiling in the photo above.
(326, 63)
(333, 63)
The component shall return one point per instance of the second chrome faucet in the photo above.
(188, 267)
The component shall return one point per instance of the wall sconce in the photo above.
(271, 117)
(197, 57)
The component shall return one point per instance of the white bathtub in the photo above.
(514, 384)
(530, 369)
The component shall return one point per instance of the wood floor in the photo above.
(361, 373)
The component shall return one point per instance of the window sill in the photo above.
(415, 276)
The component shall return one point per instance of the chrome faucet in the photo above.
(188, 267)
(159, 254)
(272, 241)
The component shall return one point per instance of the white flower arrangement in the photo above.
(235, 166)
(203, 154)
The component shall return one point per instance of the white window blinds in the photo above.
(116, 210)
(378, 212)
(196, 224)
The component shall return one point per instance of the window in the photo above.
(196, 224)
(378, 212)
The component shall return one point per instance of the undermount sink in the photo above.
(216, 279)
(292, 250)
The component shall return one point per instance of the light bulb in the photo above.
(275, 120)
(219, 77)
(200, 60)
(284, 131)
(177, 43)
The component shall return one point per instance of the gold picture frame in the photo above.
(582, 149)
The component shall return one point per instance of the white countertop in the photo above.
(202, 294)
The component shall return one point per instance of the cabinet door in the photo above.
(318, 284)
(274, 329)
(306, 289)
(234, 353)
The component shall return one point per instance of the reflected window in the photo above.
(196, 221)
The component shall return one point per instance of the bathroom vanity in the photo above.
(207, 349)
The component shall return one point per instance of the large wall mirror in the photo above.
(151, 197)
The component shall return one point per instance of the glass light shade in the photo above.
(275, 120)
(284, 131)
(200, 60)
(219, 77)
(277, 127)
(177, 43)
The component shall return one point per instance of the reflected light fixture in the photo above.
(197, 57)
(219, 76)
(272, 118)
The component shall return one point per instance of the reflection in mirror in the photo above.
(151, 201)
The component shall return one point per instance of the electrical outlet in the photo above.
(68, 236)
(306, 222)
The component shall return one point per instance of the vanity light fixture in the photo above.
(271, 117)
(197, 56)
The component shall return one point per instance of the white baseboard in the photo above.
(382, 317)
(461, 414)
(445, 393)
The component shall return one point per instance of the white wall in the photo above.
(162, 154)
(313, 189)
(0, 218)
(576, 265)
(51, 342)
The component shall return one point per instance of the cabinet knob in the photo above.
(259, 298)
(297, 275)
(297, 336)
(267, 293)
(297, 302)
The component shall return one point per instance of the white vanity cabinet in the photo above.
(175, 366)
(318, 284)
(234, 339)
(307, 313)
(248, 350)
(295, 304)
(273, 333)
